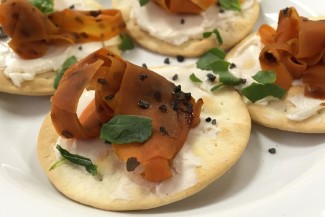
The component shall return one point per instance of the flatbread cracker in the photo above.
(274, 115)
(43, 84)
(216, 155)
(232, 31)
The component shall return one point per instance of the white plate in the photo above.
(289, 183)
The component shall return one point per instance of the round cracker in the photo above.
(232, 31)
(41, 85)
(216, 156)
(274, 114)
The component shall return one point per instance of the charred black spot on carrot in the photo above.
(67, 134)
(163, 131)
(131, 164)
(143, 77)
(175, 105)
(79, 20)
(109, 97)
(177, 89)
(163, 108)
(2, 33)
(285, 12)
(95, 13)
(143, 104)
(102, 81)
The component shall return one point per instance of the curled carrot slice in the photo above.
(296, 50)
(119, 87)
(32, 32)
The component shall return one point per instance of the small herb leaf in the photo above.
(194, 78)
(230, 5)
(58, 163)
(67, 63)
(46, 6)
(211, 56)
(225, 77)
(217, 33)
(143, 2)
(256, 91)
(216, 87)
(126, 42)
(79, 160)
(265, 77)
(123, 129)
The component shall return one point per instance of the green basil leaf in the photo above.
(216, 87)
(123, 129)
(46, 6)
(225, 77)
(79, 160)
(217, 33)
(211, 56)
(67, 63)
(230, 5)
(265, 77)
(126, 42)
(143, 2)
(194, 78)
(256, 91)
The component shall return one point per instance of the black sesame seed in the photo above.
(180, 58)
(221, 10)
(166, 61)
(163, 131)
(163, 108)
(175, 77)
(272, 150)
(144, 104)
(211, 77)
(182, 21)
(67, 134)
(232, 65)
(80, 47)
(143, 77)
(131, 164)
(144, 65)
(71, 7)
(214, 122)
(208, 119)
(108, 97)
(107, 142)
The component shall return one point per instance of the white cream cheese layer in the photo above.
(20, 70)
(184, 164)
(169, 28)
(247, 64)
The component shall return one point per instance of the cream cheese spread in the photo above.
(20, 70)
(169, 28)
(184, 164)
(247, 63)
